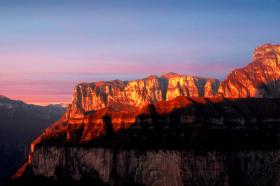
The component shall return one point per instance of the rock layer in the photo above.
(161, 168)
(123, 95)
(171, 118)
(191, 118)
(261, 78)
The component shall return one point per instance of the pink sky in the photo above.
(46, 47)
(57, 87)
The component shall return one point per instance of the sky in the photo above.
(48, 46)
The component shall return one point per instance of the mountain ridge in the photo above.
(20, 124)
(259, 78)
(127, 99)
(171, 112)
(138, 93)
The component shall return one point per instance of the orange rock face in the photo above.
(123, 101)
(179, 101)
(122, 95)
(188, 111)
(261, 78)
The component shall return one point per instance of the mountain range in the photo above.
(168, 130)
(260, 78)
(20, 124)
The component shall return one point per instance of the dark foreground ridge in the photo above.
(182, 123)
(215, 138)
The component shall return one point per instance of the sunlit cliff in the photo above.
(260, 78)
(149, 131)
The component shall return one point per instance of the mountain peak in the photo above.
(258, 79)
(152, 77)
(132, 95)
(268, 51)
(3, 97)
(261, 78)
(170, 75)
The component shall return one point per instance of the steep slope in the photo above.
(181, 112)
(261, 78)
(20, 124)
(183, 141)
(169, 130)
(156, 168)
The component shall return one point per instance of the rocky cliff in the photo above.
(184, 141)
(170, 118)
(130, 95)
(159, 168)
(169, 130)
(261, 78)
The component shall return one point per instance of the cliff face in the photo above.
(121, 95)
(113, 133)
(161, 124)
(162, 168)
(261, 78)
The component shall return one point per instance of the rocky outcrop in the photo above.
(261, 78)
(123, 95)
(184, 141)
(168, 119)
(170, 130)
(162, 168)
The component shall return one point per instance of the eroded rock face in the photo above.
(122, 95)
(174, 117)
(188, 112)
(245, 121)
(162, 168)
(261, 78)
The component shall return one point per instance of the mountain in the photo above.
(261, 78)
(220, 113)
(184, 141)
(168, 130)
(130, 95)
(20, 124)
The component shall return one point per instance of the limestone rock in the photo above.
(261, 78)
